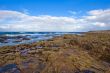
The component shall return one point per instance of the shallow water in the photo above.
(10, 68)
(16, 38)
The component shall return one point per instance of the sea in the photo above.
(16, 38)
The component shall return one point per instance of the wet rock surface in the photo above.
(15, 39)
(85, 71)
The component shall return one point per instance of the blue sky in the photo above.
(53, 7)
(62, 13)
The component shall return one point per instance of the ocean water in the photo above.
(15, 38)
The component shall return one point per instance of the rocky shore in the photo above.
(87, 53)
(5, 39)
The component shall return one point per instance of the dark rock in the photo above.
(85, 71)
(3, 40)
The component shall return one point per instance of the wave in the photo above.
(14, 38)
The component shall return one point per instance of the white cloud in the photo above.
(99, 24)
(17, 21)
(102, 17)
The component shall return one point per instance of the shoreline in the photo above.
(88, 52)
(12, 38)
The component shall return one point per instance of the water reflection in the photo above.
(10, 68)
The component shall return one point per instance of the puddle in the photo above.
(10, 68)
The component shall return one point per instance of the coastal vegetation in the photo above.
(70, 53)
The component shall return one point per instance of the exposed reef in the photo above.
(87, 53)
(5, 38)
